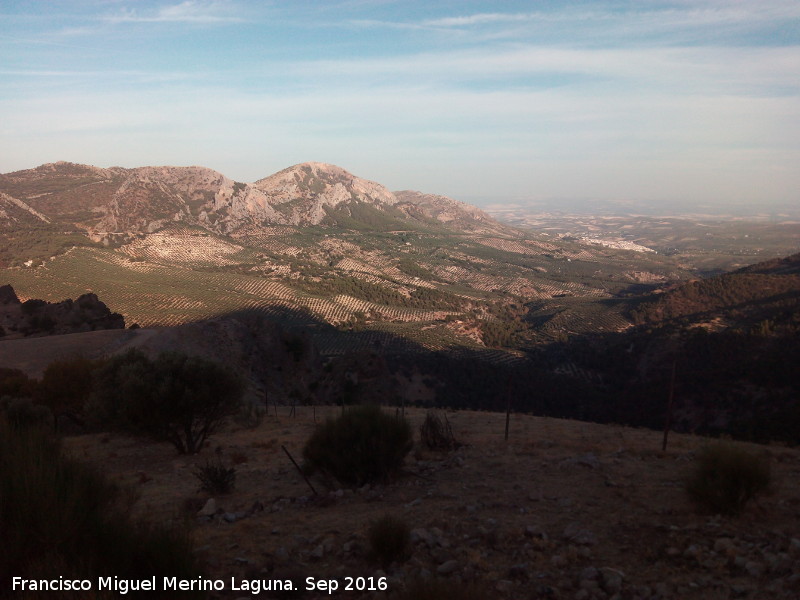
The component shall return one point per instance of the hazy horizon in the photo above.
(668, 103)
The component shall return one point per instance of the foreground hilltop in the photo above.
(562, 510)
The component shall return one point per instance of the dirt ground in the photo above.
(563, 509)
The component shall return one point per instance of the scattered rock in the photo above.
(589, 460)
(558, 561)
(589, 573)
(420, 535)
(519, 571)
(281, 554)
(754, 569)
(447, 567)
(536, 532)
(576, 534)
(692, 551)
(611, 580)
(230, 517)
(722, 545)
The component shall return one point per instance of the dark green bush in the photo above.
(22, 412)
(59, 517)
(725, 478)
(363, 445)
(216, 478)
(123, 383)
(176, 398)
(16, 383)
(389, 540)
(66, 386)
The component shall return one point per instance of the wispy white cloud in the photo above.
(640, 19)
(378, 23)
(681, 70)
(481, 19)
(676, 98)
(555, 127)
(188, 11)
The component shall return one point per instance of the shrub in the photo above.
(725, 478)
(65, 387)
(180, 399)
(436, 589)
(22, 412)
(16, 383)
(60, 517)
(437, 434)
(361, 446)
(216, 478)
(125, 381)
(389, 540)
(29, 307)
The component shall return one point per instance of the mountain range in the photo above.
(113, 202)
(312, 237)
(405, 293)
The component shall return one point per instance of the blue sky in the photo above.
(652, 102)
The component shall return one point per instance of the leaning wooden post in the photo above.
(508, 415)
(299, 470)
(508, 405)
(668, 417)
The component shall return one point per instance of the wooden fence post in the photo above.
(668, 417)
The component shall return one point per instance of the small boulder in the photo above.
(447, 567)
(209, 509)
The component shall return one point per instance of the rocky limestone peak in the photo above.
(441, 207)
(452, 213)
(180, 177)
(71, 173)
(312, 186)
(149, 197)
(114, 204)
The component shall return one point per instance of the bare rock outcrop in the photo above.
(37, 317)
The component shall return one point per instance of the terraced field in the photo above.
(152, 294)
(184, 246)
(183, 273)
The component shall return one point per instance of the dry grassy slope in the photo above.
(32, 355)
(247, 348)
(523, 517)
